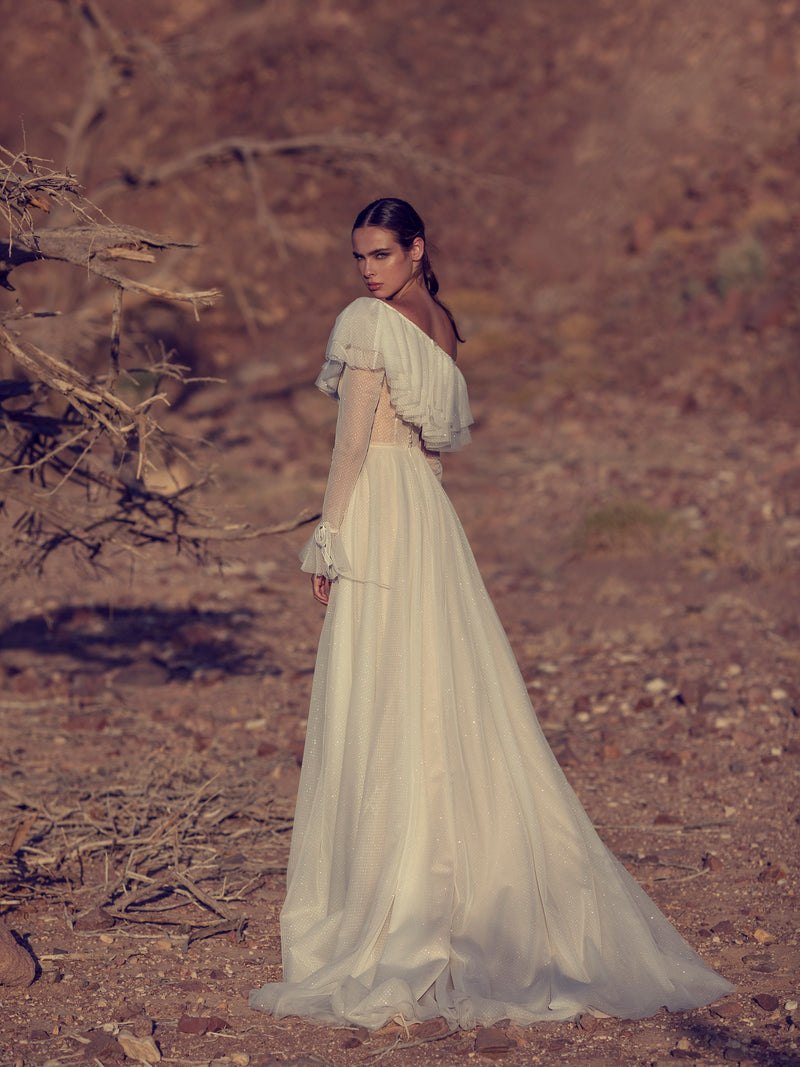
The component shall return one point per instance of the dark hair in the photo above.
(399, 217)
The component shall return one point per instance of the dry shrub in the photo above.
(625, 527)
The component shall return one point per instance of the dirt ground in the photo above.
(615, 190)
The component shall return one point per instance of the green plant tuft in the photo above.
(625, 526)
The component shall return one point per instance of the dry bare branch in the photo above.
(94, 248)
(100, 443)
(85, 445)
(245, 150)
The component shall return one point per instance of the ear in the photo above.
(417, 249)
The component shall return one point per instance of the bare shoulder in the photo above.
(443, 333)
(433, 320)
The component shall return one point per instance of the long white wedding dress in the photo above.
(441, 865)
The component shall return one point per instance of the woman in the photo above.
(440, 865)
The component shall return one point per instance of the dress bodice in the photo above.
(395, 386)
(388, 428)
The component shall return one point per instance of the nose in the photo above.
(366, 269)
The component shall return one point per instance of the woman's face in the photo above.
(385, 266)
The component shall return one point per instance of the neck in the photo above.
(406, 290)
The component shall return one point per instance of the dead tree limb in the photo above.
(245, 150)
(86, 444)
(95, 248)
(98, 444)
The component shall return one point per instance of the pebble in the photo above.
(656, 685)
(764, 937)
(766, 1001)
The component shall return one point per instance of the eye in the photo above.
(381, 255)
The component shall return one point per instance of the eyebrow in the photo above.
(374, 252)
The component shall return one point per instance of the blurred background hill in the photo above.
(612, 186)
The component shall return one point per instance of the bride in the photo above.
(440, 865)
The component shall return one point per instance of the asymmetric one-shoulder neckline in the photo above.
(428, 389)
(415, 326)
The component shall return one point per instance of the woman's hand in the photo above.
(321, 587)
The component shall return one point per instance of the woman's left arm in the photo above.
(359, 393)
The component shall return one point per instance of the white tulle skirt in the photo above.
(441, 865)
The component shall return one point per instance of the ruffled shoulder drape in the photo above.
(428, 390)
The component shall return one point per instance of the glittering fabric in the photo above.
(441, 865)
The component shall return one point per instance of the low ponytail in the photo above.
(432, 285)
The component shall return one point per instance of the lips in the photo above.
(373, 286)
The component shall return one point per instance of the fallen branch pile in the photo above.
(156, 852)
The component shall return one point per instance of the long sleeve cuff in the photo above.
(323, 553)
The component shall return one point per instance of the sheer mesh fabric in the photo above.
(366, 417)
(427, 388)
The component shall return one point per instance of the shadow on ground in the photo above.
(177, 643)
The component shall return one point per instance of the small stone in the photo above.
(201, 1024)
(96, 919)
(581, 703)
(491, 1041)
(430, 1028)
(767, 1002)
(729, 1010)
(102, 1047)
(143, 1049)
(717, 700)
(724, 927)
(764, 937)
(762, 964)
(690, 692)
(774, 872)
(142, 1026)
(744, 740)
(656, 685)
(17, 965)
